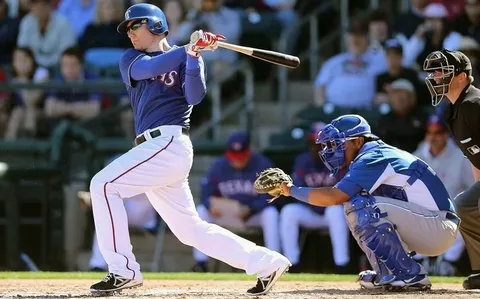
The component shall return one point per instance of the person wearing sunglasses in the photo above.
(164, 83)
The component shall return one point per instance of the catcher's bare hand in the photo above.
(285, 189)
(273, 181)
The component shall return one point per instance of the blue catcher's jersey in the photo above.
(156, 101)
(383, 170)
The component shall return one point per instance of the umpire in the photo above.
(450, 76)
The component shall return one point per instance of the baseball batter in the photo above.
(163, 84)
(394, 202)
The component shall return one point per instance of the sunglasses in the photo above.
(135, 26)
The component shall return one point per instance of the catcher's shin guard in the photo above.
(381, 240)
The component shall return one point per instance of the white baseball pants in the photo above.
(140, 214)
(296, 215)
(267, 219)
(159, 168)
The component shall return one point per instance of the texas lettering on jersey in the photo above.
(169, 79)
(231, 188)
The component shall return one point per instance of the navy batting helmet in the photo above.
(153, 16)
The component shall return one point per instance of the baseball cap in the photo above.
(472, 2)
(394, 45)
(238, 146)
(437, 122)
(459, 60)
(403, 84)
(358, 28)
(314, 129)
(436, 11)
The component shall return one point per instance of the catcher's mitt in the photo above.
(270, 181)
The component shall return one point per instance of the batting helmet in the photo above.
(333, 138)
(153, 16)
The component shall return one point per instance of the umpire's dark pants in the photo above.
(468, 209)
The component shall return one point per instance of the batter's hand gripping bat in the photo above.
(265, 55)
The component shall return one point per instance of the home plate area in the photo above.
(183, 289)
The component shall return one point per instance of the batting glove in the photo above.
(200, 40)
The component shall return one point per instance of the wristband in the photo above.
(300, 193)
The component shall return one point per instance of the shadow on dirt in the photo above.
(358, 292)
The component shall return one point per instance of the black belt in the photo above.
(154, 134)
(453, 217)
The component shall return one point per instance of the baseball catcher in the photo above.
(394, 202)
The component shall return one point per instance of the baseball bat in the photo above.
(265, 55)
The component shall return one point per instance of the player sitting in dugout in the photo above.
(395, 203)
(231, 177)
(310, 171)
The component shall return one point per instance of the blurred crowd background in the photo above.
(64, 114)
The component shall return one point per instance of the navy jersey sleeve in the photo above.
(363, 173)
(260, 201)
(298, 175)
(128, 58)
(210, 184)
(193, 74)
(136, 65)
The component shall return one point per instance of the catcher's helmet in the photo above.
(441, 67)
(153, 16)
(333, 138)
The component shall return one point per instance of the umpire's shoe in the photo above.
(472, 282)
(113, 283)
(265, 284)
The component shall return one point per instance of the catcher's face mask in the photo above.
(333, 145)
(439, 75)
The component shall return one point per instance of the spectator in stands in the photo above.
(454, 7)
(72, 104)
(27, 102)
(446, 159)
(177, 24)
(213, 16)
(404, 125)
(5, 105)
(80, 13)
(470, 47)
(406, 24)
(102, 32)
(347, 80)
(8, 33)
(433, 34)
(18, 8)
(231, 178)
(288, 19)
(46, 32)
(395, 71)
(310, 171)
(379, 29)
(468, 23)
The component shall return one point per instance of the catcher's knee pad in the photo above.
(381, 239)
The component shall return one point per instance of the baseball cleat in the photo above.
(368, 280)
(265, 284)
(472, 282)
(113, 283)
(419, 282)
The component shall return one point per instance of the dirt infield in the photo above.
(177, 289)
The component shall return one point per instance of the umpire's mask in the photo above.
(439, 75)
